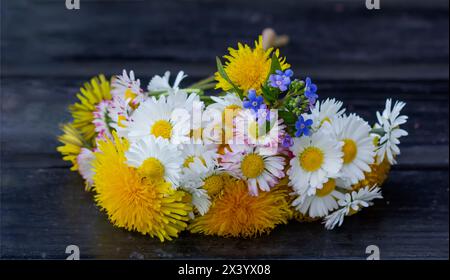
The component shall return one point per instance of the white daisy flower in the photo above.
(84, 160)
(158, 83)
(207, 154)
(199, 175)
(176, 97)
(319, 204)
(181, 99)
(389, 121)
(358, 149)
(156, 159)
(352, 203)
(160, 119)
(259, 170)
(128, 88)
(193, 182)
(254, 129)
(325, 111)
(218, 118)
(316, 159)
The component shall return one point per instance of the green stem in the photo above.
(200, 83)
(378, 131)
(194, 90)
(280, 102)
(207, 86)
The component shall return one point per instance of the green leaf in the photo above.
(288, 117)
(274, 65)
(268, 94)
(224, 75)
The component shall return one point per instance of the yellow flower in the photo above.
(73, 142)
(82, 112)
(377, 175)
(236, 213)
(131, 202)
(297, 215)
(214, 184)
(248, 68)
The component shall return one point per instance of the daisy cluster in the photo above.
(259, 151)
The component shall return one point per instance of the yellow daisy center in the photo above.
(162, 128)
(129, 94)
(213, 184)
(311, 159)
(327, 188)
(252, 165)
(350, 150)
(152, 169)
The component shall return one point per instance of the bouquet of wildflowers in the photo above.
(260, 150)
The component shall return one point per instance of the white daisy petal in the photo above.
(389, 121)
(355, 201)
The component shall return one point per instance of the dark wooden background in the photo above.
(356, 55)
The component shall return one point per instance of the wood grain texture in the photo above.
(342, 37)
(358, 56)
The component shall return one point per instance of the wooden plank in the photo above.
(323, 71)
(44, 210)
(342, 36)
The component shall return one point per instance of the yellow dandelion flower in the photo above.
(73, 142)
(283, 184)
(377, 175)
(131, 202)
(236, 213)
(248, 68)
(90, 95)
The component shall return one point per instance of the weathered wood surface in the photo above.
(358, 56)
(334, 39)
